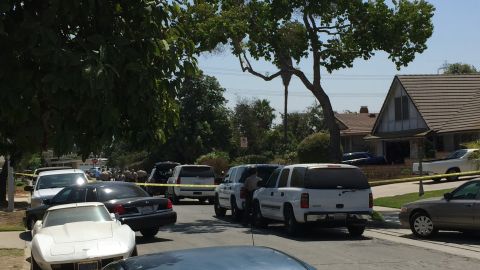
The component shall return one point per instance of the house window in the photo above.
(402, 111)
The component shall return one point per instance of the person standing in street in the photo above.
(250, 186)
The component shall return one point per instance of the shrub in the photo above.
(218, 160)
(251, 159)
(314, 148)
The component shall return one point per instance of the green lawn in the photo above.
(399, 200)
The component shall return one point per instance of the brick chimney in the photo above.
(364, 109)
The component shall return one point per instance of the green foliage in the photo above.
(460, 68)
(251, 159)
(29, 162)
(314, 148)
(204, 122)
(80, 73)
(252, 119)
(218, 160)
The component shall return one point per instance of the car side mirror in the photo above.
(36, 227)
(28, 188)
(448, 196)
(113, 216)
(47, 201)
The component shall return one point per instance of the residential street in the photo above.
(325, 249)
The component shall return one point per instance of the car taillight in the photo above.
(243, 193)
(370, 200)
(119, 209)
(179, 180)
(304, 201)
(169, 204)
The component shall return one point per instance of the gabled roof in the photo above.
(447, 103)
(356, 123)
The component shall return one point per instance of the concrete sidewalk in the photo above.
(410, 187)
(16, 239)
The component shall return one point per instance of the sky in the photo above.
(456, 38)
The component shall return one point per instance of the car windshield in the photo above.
(115, 192)
(194, 171)
(457, 154)
(335, 178)
(58, 217)
(60, 180)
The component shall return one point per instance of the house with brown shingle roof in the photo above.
(354, 127)
(425, 114)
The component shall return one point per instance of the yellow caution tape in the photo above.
(176, 185)
(26, 174)
(418, 178)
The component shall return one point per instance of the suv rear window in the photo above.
(195, 171)
(335, 178)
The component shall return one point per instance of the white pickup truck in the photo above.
(458, 161)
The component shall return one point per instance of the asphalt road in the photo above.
(330, 249)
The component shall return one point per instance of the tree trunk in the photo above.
(334, 147)
(3, 184)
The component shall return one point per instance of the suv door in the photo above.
(264, 195)
(225, 187)
(278, 197)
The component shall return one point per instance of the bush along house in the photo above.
(427, 116)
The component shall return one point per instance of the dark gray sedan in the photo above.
(456, 211)
(218, 258)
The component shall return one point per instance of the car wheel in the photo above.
(452, 178)
(134, 252)
(237, 214)
(149, 232)
(33, 264)
(422, 225)
(293, 227)
(356, 231)
(258, 219)
(219, 211)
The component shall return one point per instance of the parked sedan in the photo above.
(230, 257)
(132, 205)
(458, 210)
(80, 236)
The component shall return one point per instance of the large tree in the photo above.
(77, 74)
(204, 124)
(332, 34)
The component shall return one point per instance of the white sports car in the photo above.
(80, 236)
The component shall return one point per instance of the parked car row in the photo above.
(329, 195)
(81, 225)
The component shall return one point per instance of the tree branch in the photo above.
(249, 69)
(301, 76)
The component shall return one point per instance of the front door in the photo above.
(460, 211)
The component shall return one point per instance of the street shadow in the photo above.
(200, 226)
(308, 233)
(451, 237)
(191, 202)
(143, 240)
(25, 236)
(17, 206)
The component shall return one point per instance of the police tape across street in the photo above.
(372, 183)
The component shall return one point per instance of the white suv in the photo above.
(330, 195)
(192, 175)
(49, 183)
(230, 194)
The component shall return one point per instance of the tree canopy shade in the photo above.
(77, 74)
(332, 33)
(460, 68)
